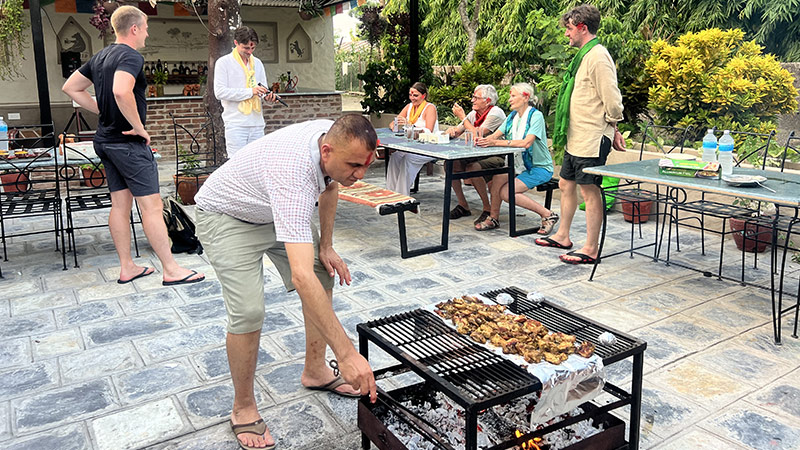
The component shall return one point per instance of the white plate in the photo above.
(744, 180)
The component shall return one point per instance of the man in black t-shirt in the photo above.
(123, 144)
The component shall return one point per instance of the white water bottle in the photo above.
(726, 153)
(710, 147)
(3, 136)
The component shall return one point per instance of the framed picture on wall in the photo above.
(298, 46)
(267, 48)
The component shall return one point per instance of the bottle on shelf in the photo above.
(205, 69)
(3, 137)
(159, 66)
(194, 69)
(147, 70)
(181, 69)
(726, 153)
(710, 146)
(175, 70)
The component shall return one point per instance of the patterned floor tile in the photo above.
(753, 428)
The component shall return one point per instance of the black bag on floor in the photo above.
(180, 229)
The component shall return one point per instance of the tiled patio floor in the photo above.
(86, 363)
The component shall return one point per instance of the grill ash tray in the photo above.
(373, 420)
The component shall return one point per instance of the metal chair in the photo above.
(195, 151)
(30, 187)
(85, 189)
(784, 225)
(666, 140)
(760, 156)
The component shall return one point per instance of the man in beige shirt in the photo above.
(595, 107)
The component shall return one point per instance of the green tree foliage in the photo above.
(386, 82)
(771, 23)
(480, 71)
(12, 40)
(716, 78)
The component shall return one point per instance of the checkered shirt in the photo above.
(277, 179)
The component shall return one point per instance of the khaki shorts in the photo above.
(236, 251)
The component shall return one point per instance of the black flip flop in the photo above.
(584, 258)
(143, 274)
(184, 280)
(549, 242)
(459, 212)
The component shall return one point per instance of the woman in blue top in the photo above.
(523, 128)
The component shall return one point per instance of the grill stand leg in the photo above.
(472, 430)
(363, 348)
(636, 401)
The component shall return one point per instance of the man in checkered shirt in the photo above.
(262, 201)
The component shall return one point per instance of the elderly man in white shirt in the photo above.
(239, 84)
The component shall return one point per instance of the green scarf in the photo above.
(565, 93)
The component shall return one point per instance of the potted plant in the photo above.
(189, 180)
(160, 78)
(310, 9)
(94, 175)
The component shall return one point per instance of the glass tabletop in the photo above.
(785, 184)
(455, 149)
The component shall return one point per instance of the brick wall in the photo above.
(301, 108)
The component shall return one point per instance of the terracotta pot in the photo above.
(636, 215)
(15, 182)
(754, 239)
(187, 186)
(94, 177)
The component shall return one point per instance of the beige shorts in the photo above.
(236, 251)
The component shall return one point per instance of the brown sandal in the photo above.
(489, 224)
(258, 428)
(548, 223)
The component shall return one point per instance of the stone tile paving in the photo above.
(86, 363)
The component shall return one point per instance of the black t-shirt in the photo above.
(100, 70)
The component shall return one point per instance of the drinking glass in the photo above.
(410, 133)
(469, 139)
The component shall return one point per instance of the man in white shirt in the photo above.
(482, 121)
(263, 202)
(239, 84)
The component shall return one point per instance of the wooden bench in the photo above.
(384, 202)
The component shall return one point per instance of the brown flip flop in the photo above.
(258, 428)
(331, 387)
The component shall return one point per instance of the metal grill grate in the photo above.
(556, 318)
(479, 376)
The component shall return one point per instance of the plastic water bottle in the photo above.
(726, 153)
(3, 136)
(710, 147)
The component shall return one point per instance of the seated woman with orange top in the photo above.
(403, 167)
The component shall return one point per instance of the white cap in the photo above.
(710, 130)
(726, 132)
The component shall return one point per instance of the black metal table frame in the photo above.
(670, 201)
(632, 398)
(449, 176)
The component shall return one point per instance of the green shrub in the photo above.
(716, 78)
(480, 71)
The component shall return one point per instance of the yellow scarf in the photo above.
(413, 116)
(253, 103)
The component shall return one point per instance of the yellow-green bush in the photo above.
(716, 78)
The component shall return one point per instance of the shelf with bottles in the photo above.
(178, 72)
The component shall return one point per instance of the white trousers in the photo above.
(238, 137)
(403, 169)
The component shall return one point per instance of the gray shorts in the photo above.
(236, 250)
(572, 167)
(129, 165)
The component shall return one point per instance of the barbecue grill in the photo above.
(475, 378)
